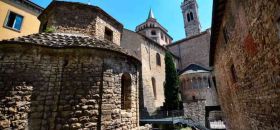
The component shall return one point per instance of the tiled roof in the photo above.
(64, 40)
(194, 67)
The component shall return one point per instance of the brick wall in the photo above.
(249, 95)
(44, 88)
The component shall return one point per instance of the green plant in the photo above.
(171, 87)
(49, 29)
(188, 128)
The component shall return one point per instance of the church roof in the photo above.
(195, 68)
(151, 14)
(188, 38)
(64, 40)
(151, 19)
(152, 42)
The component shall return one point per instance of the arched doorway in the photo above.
(126, 91)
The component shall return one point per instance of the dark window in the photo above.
(214, 81)
(154, 87)
(209, 83)
(126, 91)
(158, 59)
(233, 73)
(161, 35)
(199, 83)
(45, 26)
(193, 97)
(108, 34)
(188, 16)
(191, 16)
(226, 35)
(194, 83)
(153, 32)
(14, 21)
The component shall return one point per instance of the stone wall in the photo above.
(17, 104)
(247, 65)
(198, 86)
(151, 69)
(45, 88)
(85, 20)
(100, 30)
(196, 111)
(193, 50)
(146, 50)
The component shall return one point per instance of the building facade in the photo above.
(199, 96)
(245, 54)
(198, 90)
(70, 78)
(192, 50)
(153, 30)
(18, 18)
(151, 52)
(153, 70)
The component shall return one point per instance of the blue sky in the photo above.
(133, 12)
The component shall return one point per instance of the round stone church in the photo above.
(72, 75)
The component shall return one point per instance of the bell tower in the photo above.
(191, 19)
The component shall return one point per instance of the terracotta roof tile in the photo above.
(64, 40)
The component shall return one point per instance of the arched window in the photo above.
(191, 16)
(161, 35)
(126, 91)
(187, 83)
(153, 32)
(193, 98)
(205, 82)
(158, 59)
(154, 87)
(188, 16)
(194, 83)
(209, 82)
(233, 73)
(199, 83)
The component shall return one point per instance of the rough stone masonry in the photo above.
(72, 78)
(47, 88)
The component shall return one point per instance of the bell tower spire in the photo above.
(191, 19)
(151, 14)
